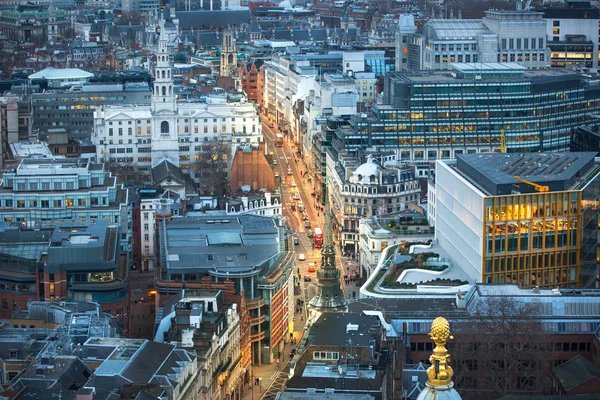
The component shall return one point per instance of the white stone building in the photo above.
(146, 135)
(366, 191)
(501, 36)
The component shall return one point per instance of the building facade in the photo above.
(366, 191)
(73, 109)
(202, 321)
(524, 218)
(431, 115)
(253, 252)
(61, 188)
(572, 31)
(144, 136)
(63, 260)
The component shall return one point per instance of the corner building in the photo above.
(530, 219)
(435, 114)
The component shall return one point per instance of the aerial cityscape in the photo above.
(299, 199)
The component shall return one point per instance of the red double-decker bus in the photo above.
(279, 140)
(318, 238)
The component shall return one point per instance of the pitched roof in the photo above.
(166, 169)
(147, 362)
(576, 372)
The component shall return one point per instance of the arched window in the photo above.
(164, 90)
(231, 59)
(163, 74)
(170, 90)
(164, 127)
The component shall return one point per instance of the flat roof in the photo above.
(22, 150)
(494, 173)
(232, 243)
(351, 329)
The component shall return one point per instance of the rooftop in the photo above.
(61, 73)
(494, 173)
(357, 330)
(232, 243)
(22, 150)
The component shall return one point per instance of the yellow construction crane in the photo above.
(538, 188)
(502, 141)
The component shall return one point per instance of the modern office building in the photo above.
(252, 251)
(146, 135)
(46, 189)
(572, 31)
(63, 260)
(526, 218)
(73, 109)
(432, 114)
(366, 191)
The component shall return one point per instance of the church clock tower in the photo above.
(164, 106)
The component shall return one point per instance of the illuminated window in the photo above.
(69, 202)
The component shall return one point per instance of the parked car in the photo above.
(307, 278)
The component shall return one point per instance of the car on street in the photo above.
(311, 267)
(296, 196)
(301, 257)
(304, 216)
(307, 278)
(276, 175)
(296, 241)
(307, 224)
(290, 171)
(275, 162)
(309, 233)
(293, 183)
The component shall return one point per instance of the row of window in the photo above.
(69, 202)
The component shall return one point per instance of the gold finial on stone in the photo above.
(440, 373)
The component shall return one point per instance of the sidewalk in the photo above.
(268, 373)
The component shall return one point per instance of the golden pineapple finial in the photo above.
(440, 372)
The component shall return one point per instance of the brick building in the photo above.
(250, 167)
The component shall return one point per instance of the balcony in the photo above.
(255, 304)
(255, 337)
(257, 320)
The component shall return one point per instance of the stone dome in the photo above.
(439, 393)
(365, 171)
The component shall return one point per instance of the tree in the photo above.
(501, 349)
(211, 168)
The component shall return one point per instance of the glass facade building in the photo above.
(530, 219)
(432, 115)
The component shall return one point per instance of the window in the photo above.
(326, 355)
(164, 127)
